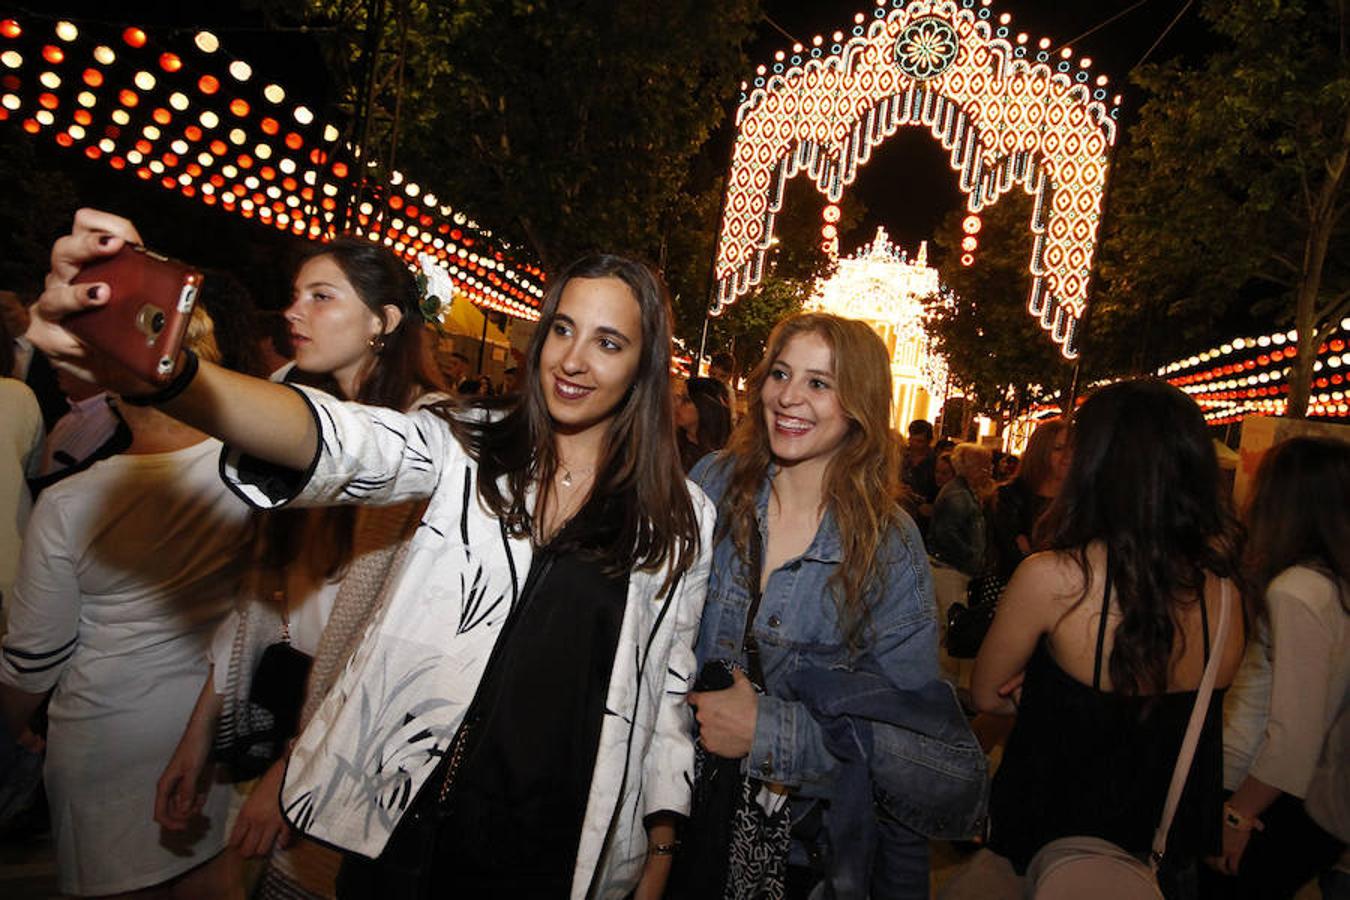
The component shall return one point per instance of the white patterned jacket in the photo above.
(391, 714)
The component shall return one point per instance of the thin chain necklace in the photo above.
(569, 477)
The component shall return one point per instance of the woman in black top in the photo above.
(1104, 636)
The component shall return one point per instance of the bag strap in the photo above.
(749, 645)
(1188, 744)
(282, 602)
(1101, 625)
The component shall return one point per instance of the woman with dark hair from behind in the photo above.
(513, 722)
(1294, 680)
(1105, 634)
(230, 305)
(1021, 502)
(711, 397)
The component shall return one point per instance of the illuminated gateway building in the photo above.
(880, 285)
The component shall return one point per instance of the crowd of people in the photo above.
(609, 633)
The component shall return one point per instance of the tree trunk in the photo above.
(1307, 315)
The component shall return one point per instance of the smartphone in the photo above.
(146, 317)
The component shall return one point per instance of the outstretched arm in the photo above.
(265, 420)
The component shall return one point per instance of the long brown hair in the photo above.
(861, 479)
(1299, 513)
(648, 512)
(1036, 468)
(1144, 480)
(398, 373)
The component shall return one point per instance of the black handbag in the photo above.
(263, 725)
(723, 845)
(968, 623)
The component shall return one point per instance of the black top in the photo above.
(921, 477)
(1081, 761)
(508, 824)
(1015, 512)
(690, 451)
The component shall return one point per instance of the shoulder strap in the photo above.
(749, 645)
(282, 602)
(1204, 623)
(1192, 738)
(1101, 626)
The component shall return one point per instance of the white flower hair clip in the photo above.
(435, 286)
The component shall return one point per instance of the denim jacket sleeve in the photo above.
(956, 535)
(901, 642)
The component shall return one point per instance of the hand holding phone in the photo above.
(149, 302)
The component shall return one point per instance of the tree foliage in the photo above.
(990, 341)
(391, 65)
(1233, 189)
(573, 125)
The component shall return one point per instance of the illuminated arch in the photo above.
(1008, 115)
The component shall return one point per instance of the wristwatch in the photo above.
(1238, 822)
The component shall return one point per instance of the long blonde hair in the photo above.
(861, 479)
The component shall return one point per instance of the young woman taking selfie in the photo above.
(536, 645)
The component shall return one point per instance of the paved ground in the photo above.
(28, 870)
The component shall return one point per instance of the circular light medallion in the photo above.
(926, 48)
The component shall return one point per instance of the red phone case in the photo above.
(146, 317)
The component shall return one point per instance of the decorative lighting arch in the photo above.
(1009, 114)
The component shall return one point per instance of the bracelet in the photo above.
(175, 387)
(1238, 822)
(666, 849)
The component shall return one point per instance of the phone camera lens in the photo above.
(157, 322)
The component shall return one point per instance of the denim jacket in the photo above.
(797, 628)
(956, 535)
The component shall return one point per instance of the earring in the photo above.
(376, 343)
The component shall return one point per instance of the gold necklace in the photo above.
(566, 479)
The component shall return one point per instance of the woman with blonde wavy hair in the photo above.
(815, 569)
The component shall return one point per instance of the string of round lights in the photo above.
(1249, 375)
(200, 122)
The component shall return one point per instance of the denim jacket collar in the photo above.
(826, 546)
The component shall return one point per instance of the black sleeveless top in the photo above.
(1082, 761)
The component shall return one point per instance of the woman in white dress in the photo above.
(126, 570)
